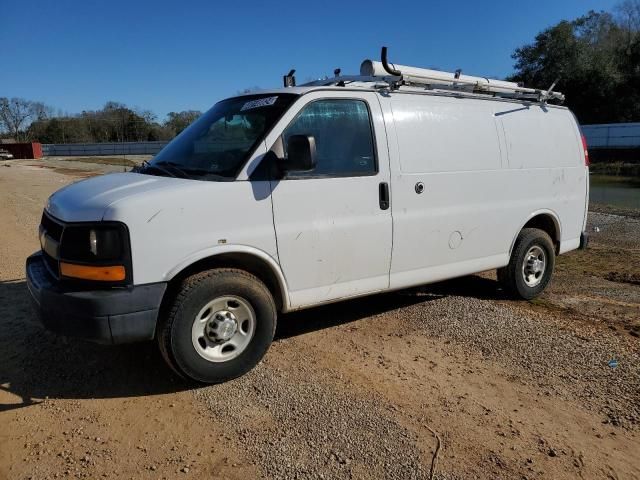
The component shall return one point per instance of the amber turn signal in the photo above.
(112, 273)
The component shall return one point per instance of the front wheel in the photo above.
(531, 264)
(218, 326)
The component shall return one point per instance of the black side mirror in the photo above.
(301, 153)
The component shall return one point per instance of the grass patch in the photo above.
(614, 210)
(620, 169)
(614, 264)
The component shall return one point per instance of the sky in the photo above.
(178, 55)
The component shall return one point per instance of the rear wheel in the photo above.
(219, 325)
(531, 265)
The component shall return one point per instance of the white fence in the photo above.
(95, 149)
(612, 135)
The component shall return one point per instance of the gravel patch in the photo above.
(616, 230)
(295, 426)
(542, 351)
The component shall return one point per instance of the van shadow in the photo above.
(36, 364)
(328, 316)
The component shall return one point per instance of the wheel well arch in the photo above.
(547, 222)
(248, 262)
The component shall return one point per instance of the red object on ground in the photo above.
(23, 150)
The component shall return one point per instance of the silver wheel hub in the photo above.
(537, 266)
(534, 266)
(223, 328)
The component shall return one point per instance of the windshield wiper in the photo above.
(183, 172)
(145, 165)
(203, 172)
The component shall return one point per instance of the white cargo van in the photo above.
(286, 199)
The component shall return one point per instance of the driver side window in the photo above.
(343, 135)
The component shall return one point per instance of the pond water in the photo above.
(617, 191)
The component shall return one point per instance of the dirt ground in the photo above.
(366, 389)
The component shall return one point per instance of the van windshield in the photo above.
(216, 146)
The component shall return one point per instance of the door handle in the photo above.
(383, 192)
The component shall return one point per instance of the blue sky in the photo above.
(170, 56)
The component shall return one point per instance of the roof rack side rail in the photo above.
(456, 81)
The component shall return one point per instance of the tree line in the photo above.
(25, 120)
(595, 58)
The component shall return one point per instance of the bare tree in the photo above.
(42, 111)
(17, 113)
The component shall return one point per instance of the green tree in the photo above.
(178, 121)
(596, 59)
(115, 122)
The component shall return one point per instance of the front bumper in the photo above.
(105, 316)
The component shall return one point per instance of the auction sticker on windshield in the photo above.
(260, 102)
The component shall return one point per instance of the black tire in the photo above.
(174, 332)
(511, 277)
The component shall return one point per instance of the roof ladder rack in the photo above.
(436, 79)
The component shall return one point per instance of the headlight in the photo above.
(95, 252)
(87, 244)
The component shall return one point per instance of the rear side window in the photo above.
(344, 139)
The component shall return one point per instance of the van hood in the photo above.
(88, 200)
